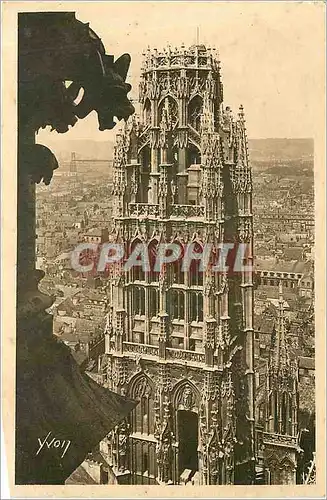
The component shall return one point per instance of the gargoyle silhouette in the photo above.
(56, 48)
(39, 162)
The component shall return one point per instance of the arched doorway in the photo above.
(186, 404)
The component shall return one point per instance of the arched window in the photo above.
(137, 272)
(142, 418)
(177, 304)
(193, 158)
(145, 462)
(194, 112)
(153, 250)
(176, 266)
(285, 413)
(153, 302)
(276, 415)
(171, 107)
(138, 301)
(196, 306)
(195, 273)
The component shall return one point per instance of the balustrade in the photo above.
(279, 438)
(180, 354)
(147, 350)
(187, 211)
(143, 210)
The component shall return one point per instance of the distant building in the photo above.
(96, 235)
(290, 273)
(306, 367)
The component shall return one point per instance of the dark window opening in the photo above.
(196, 307)
(153, 251)
(139, 301)
(145, 461)
(187, 422)
(177, 305)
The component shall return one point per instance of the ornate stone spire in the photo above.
(207, 116)
(280, 356)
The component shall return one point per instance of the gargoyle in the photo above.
(39, 162)
(58, 57)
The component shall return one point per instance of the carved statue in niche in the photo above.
(164, 458)
(123, 433)
(143, 389)
(229, 462)
(213, 458)
(203, 425)
(173, 189)
(187, 398)
(227, 119)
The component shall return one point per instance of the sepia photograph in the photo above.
(163, 295)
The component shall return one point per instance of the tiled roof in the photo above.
(285, 266)
(89, 294)
(80, 476)
(273, 293)
(67, 306)
(94, 231)
(79, 356)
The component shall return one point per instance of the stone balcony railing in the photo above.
(197, 56)
(152, 210)
(143, 210)
(143, 349)
(147, 351)
(187, 211)
(279, 439)
(182, 355)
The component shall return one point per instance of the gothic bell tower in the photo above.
(180, 341)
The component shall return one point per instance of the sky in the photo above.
(271, 54)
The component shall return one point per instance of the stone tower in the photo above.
(181, 341)
(278, 411)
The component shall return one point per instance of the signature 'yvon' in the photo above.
(62, 444)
